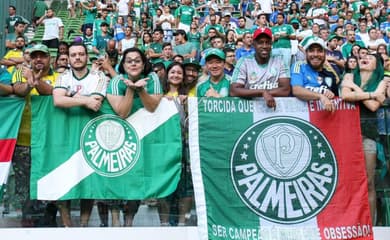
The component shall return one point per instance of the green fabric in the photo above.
(222, 87)
(283, 42)
(374, 80)
(40, 8)
(155, 173)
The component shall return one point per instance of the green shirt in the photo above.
(90, 15)
(39, 8)
(282, 42)
(184, 49)
(118, 88)
(157, 48)
(222, 87)
(217, 27)
(185, 13)
(194, 38)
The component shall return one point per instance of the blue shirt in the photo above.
(242, 52)
(5, 77)
(302, 74)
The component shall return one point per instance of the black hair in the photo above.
(182, 89)
(147, 65)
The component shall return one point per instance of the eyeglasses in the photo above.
(133, 61)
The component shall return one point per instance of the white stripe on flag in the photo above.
(299, 109)
(196, 168)
(4, 171)
(54, 185)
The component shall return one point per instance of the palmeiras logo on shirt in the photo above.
(284, 169)
(110, 145)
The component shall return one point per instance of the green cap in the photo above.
(215, 52)
(294, 21)
(332, 36)
(191, 61)
(39, 48)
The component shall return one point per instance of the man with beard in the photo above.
(346, 48)
(315, 79)
(14, 57)
(191, 68)
(334, 56)
(79, 86)
(54, 29)
(35, 80)
(262, 74)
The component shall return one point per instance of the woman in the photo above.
(175, 90)
(365, 86)
(194, 36)
(231, 39)
(146, 41)
(166, 21)
(293, 12)
(119, 32)
(135, 86)
(350, 64)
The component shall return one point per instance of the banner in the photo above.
(295, 172)
(11, 109)
(80, 154)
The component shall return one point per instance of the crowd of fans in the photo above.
(146, 50)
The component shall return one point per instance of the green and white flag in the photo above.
(80, 154)
(295, 172)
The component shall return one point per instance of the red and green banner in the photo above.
(11, 109)
(294, 172)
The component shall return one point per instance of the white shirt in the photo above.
(123, 7)
(52, 28)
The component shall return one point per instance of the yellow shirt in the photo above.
(24, 136)
(192, 92)
(13, 54)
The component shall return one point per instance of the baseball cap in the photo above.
(294, 21)
(192, 62)
(261, 31)
(215, 52)
(333, 36)
(226, 13)
(314, 40)
(39, 48)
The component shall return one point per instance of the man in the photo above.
(14, 57)
(191, 69)
(305, 30)
(39, 9)
(167, 54)
(262, 75)
(215, 25)
(362, 32)
(282, 33)
(261, 22)
(129, 41)
(184, 15)
(10, 42)
(324, 33)
(155, 50)
(230, 61)
(318, 13)
(79, 87)
(247, 49)
(97, 23)
(88, 38)
(99, 43)
(217, 83)
(38, 80)
(373, 41)
(183, 47)
(54, 29)
(315, 79)
(241, 29)
(351, 40)
(12, 19)
(334, 56)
